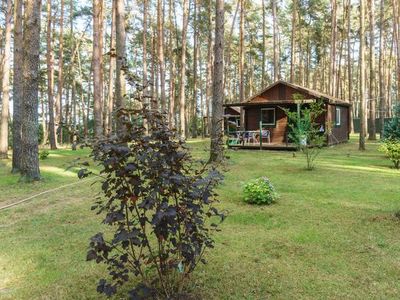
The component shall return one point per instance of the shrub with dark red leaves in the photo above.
(159, 201)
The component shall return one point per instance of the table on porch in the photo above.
(249, 137)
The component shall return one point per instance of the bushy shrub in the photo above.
(159, 203)
(43, 154)
(259, 191)
(392, 127)
(392, 150)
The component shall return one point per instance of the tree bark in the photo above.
(372, 94)
(195, 58)
(209, 75)
(161, 63)
(17, 88)
(31, 45)
(216, 154)
(109, 104)
(276, 46)
(182, 100)
(292, 41)
(382, 87)
(5, 88)
(332, 73)
(363, 102)
(60, 121)
(50, 77)
(97, 64)
(121, 61)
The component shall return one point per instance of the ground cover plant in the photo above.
(332, 234)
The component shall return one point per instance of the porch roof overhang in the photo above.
(284, 102)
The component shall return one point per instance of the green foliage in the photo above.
(43, 154)
(259, 191)
(304, 131)
(392, 127)
(392, 150)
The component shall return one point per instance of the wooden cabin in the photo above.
(265, 108)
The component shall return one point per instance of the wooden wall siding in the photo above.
(278, 133)
(340, 133)
(280, 92)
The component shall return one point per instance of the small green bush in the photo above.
(43, 154)
(392, 150)
(259, 191)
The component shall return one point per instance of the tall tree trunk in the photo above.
(17, 88)
(31, 47)
(121, 61)
(171, 111)
(350, 65)
(5, 88)
(97, 64)
(209, 70)
(195, 58)
(216, 154)
(276, 46)
(241, 62)
(332, 73)
(59, 114)
(161, 63)
(241, 51)
(292, 41)
(109, 104)
(50, 77)
(145, 83)
(372, 94)
(363, 102)
(382, 87)
(182, 100)
(264, 47)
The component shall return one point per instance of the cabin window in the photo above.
(268, 116)
(337, 116)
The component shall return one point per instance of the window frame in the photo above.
(261, 116)
(338, 116)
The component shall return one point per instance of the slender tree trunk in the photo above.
(121, 61)
(97, 64)
(50, 78)
(17, 87)
(195, 58)
(145, 83)
(59, 115)
(31, 45)
(161, 63)
(5, 89)
(109, 104)
(292, 41)
(349, 65)
(372, 94)
(332, 73)
(171, 112)
(209, 70)
(182, 100)
(363, 104)
(264, 47)
(275, 45)
(216, 154)
(241, 62)
(382, 86)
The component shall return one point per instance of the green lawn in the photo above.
(332, 234)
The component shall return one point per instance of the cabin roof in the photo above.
(256, 99)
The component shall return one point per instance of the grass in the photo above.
(332, 233)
